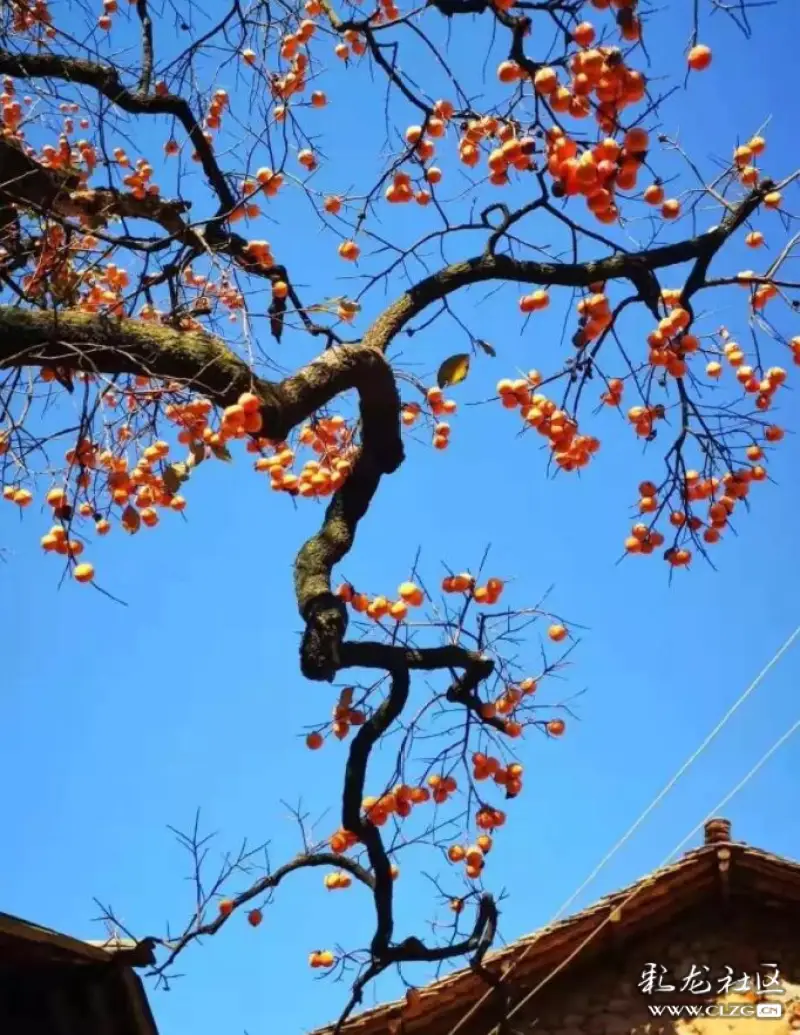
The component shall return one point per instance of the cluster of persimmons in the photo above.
(132, 482)
(671, 346)
(596, 82)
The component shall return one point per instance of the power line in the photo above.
(626, 836)
(764, 758)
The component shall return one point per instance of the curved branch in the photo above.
(476, 667)
(272, 880)
(54, 192)
(412, 950)
(383, 954)
(624, 266)
(369, 654)
(94, 343)
(324, 614)
(106, 80)
(734, 218)
(24, 181)
(355, 775)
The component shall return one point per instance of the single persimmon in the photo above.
(699, 57)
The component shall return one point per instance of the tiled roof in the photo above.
(45, 941)
(642, 905)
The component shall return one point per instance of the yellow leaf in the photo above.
(174, 475)
(453, 371)
(222, 453)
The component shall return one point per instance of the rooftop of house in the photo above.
(72, 986)
(719, 865)
(33, 942)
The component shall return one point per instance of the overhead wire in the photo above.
(720, 804)
(637, 823)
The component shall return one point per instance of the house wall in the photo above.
(71, 999)
(605, 999)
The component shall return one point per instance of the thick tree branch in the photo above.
(451, 8)
(324, 614)
(24, 181)
(146, 77)
(624, 266)
(106, 80)
(352, 819)
(411, 949)
(55, 192)
(369, 654)
(104, 344)
(476, 667)
(98, 343)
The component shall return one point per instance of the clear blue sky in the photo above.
(118, 721)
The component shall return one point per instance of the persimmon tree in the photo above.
(135, 191)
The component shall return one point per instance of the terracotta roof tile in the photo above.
(650, 898)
